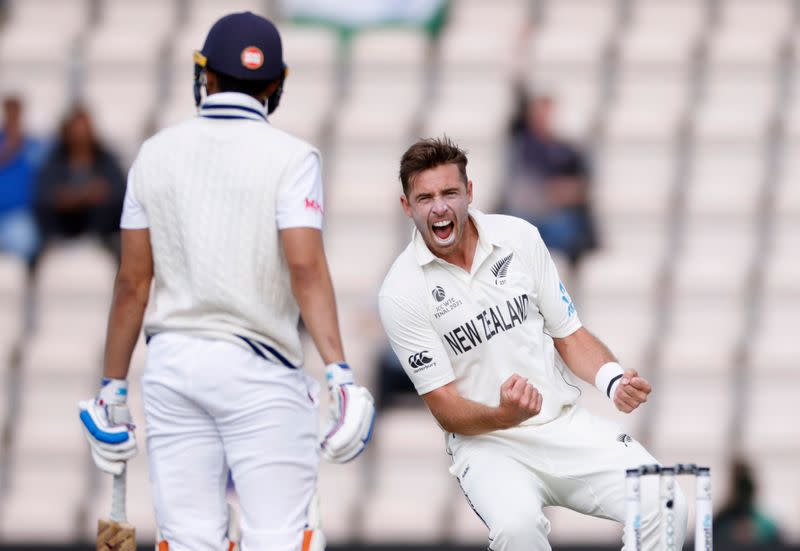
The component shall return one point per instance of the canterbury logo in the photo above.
(420, 359)
(500, 268)
(624, 439)
(438, 293)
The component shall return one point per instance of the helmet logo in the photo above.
(252, 57)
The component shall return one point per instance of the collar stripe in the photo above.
(235, 107)
(229, 117)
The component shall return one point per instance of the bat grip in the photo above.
(118, 497)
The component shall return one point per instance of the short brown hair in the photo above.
(429, 153)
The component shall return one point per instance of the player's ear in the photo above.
(469, 192)
(211, 82)
(405, 204)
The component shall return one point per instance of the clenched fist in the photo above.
(519, 400)
(632, 391)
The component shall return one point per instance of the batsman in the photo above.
(223, 217)
(477, 314)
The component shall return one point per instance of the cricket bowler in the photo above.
(477, 315)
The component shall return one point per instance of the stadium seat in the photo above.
(34, 64)
(477, 14)
(787, 194)
(570, 71)
(122, 84)
(312, 57)
(340, 489)
(639, 236)
(625, 323)
(112, 49)
(405, 439)
(656, 50)
(310, 49)
(364, 181)
(715, 261)
(692, 413)
(346, 243)
(749, 16)
(723, 236)
(726, 181)
(730, 120)
(155, 17)
(678, 17)
(742, 49)
(79, 268)
(557, 49)
(636, 178)
(607, 274)
(484, 52)
(699, 273)
(306, 106)
(769, 426)
(702, 337)
(637, 90)
(587, 19)
(44, 92)
(393, 514)
(398, 53)
(378, 111)
(772, 352)
(205, 12)
(56, 17)
(454, 112)
(12, 282)
(43, 503)
(781, 272)
(59, 383)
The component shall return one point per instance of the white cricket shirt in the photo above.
(214, 191)
(479, 328)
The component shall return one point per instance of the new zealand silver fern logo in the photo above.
(438, 293)
(624, 439)
(500, 269)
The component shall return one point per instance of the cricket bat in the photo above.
(115, 534)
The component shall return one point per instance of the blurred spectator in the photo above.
(81, 186)
(740, 521)
(547, 181)
(20, 157)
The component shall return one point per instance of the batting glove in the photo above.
(352, 416)
(108, 426)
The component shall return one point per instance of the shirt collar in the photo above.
(486, 240)
(232, 105)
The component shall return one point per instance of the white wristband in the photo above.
(608, 378)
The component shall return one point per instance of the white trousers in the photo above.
(577, 461)
(211, 406)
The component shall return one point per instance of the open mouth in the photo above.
(443, 230)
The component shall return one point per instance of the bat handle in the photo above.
(118, 497)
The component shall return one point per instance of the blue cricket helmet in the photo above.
(244, 46)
